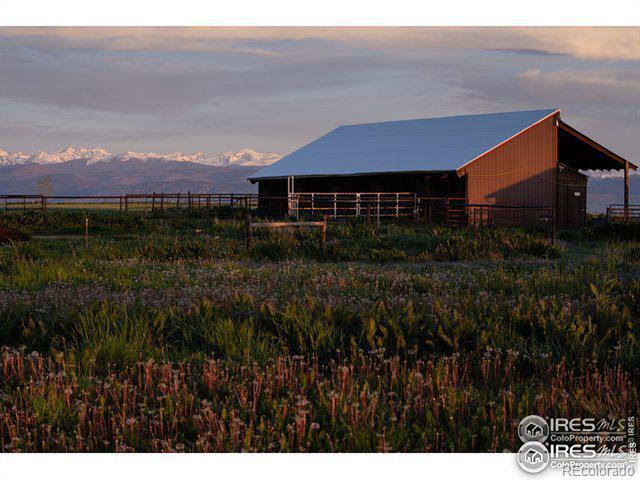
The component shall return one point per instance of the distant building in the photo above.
(528, 158)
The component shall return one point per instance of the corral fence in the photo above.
(452, 211)
(337, 205)
(129, 202)
(374, 206)
(617, 213)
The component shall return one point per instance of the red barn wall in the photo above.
(521, 171)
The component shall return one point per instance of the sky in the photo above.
(275, 89)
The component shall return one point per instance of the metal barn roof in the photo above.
(431, 144)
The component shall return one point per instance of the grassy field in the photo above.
(164, 334)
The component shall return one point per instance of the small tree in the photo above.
(45, 186)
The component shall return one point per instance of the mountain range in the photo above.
(84, 171)
(244, 157)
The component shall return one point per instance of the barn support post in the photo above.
(626, 192)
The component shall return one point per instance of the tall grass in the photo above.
(371, 403)
(397, 338)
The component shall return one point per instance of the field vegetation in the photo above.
(165, 334)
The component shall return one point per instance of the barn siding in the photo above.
(522, 171)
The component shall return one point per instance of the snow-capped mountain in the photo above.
(244, 157)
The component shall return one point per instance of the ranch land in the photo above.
(163, 333)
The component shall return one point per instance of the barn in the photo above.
(524, 160)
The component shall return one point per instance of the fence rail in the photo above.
(453, 211)
(617, 212)
(130, 202)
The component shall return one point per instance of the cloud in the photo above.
(605, 43)
(604, 88)
(216, 89)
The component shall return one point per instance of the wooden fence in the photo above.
(130, 202)
(617, 213)
(374, 206)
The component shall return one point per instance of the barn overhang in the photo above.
(580, 152)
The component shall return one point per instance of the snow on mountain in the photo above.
(244, 157)
(249, 158)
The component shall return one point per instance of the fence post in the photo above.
(249, 234)
(357, 204)
(397, 205)
(162, 201)
(378, 214)
(126, 203)
(86, 232)
(475, 224)
(153, 201)
(189, 200)
(335, 206)
(323, 234)
(446, 212)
